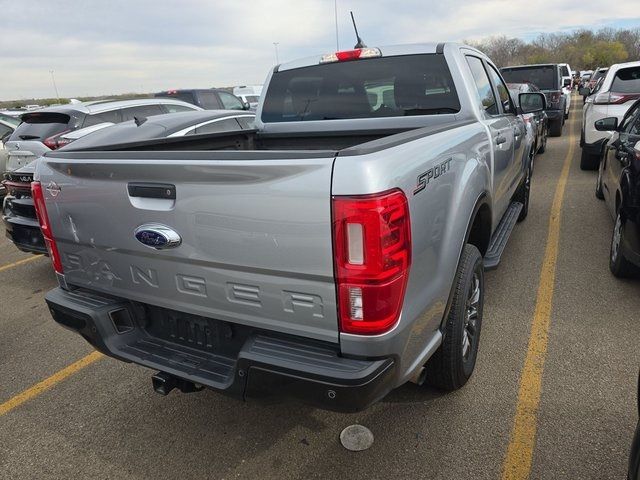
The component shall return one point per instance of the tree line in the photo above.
(582, 49)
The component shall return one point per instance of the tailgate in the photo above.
(255, 231)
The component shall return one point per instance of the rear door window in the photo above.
(627, 80)
(486, 96)
(42, 125)
(376, 87)
(503, 91)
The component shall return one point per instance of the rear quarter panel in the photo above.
(440, 214)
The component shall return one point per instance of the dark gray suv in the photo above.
(548, 78)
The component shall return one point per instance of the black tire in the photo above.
(453, 363)
(599, 193)
(566, 116)
(589, 161)
(618, 264)
(524, 190)
(543, 147)
(555, 127)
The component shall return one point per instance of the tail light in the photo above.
(611, 98)
(372, 242)
(45, 226)
(54, 142)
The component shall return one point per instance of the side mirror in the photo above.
(246, 106)
(609, 124)
(566, 82)
(585, 91)
(532, 102)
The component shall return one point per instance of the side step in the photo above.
(501, 236)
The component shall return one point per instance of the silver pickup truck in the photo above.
(332, 254)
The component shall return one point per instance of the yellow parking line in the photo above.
(20, 262)
(48, 383)
(518, 459)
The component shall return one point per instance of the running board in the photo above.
(501, 236)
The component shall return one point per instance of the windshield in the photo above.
(543, 77)
(378, 87)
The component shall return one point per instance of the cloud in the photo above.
(97, 47)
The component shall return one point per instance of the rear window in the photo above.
(543, 77)
(627, 80)
(42, 125)
(378, 87)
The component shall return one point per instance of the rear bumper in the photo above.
(22, 228)
(235, 360)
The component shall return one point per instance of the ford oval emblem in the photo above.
(157, 236)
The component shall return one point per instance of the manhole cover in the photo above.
(356, 438)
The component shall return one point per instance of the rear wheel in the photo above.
(555, 127)
(589, 161)
(453, 363)
(618, 264)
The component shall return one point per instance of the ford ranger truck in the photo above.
(332, 254)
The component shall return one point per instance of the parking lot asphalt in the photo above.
(104, 420)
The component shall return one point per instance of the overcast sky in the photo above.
(100, 47)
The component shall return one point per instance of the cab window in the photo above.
(503, 91)
(485, 93)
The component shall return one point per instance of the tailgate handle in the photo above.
(152, 190)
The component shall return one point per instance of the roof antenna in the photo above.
(360, 43)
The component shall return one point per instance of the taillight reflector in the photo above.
(372, 242)
(45, 226)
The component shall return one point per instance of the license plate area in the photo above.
(201, 333)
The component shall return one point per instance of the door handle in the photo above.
(500, 139)
(152, 190)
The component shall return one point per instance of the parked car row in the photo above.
(102, 125)
(610, 143)
(554, 81)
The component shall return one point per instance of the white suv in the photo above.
(617, 92)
